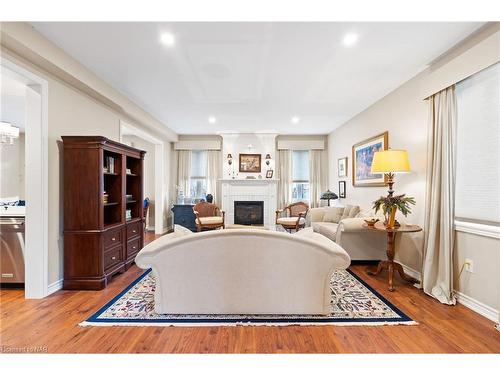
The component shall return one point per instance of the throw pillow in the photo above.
(350, 212)
(333, 214)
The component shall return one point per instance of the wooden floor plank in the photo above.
(53, 323)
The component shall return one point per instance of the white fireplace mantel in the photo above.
(251, 180)
(265, 190)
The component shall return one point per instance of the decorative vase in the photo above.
(392, 218)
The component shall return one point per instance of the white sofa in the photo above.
(241, 271)
(346, 229)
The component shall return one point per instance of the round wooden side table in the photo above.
(390, 264)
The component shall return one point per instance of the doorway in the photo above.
(32, 185)
(154, 166)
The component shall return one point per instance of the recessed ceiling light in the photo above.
(350, 39)
(167, 39)
(212, 120)
(295, 120)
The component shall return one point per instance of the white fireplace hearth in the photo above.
(265, 190)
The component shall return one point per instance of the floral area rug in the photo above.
(353, 302)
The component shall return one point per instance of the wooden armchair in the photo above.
(208, 216)
(295, 216)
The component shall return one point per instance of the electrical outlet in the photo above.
(469, 265)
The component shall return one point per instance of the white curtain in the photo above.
(214, 173)
(437, 269)
(285, 177)
(317, 176)
(183, 172)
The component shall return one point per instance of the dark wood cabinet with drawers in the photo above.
(103, 210)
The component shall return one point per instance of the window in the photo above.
(300, 176)
(198, 174)
(478, 148)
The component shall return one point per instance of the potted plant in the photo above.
(389, 206)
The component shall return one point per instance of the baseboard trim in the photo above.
(412, 272)
(55, 286)
(479, 307)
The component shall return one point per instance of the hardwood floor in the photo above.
(52, 325)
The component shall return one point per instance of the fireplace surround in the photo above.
(265, 190)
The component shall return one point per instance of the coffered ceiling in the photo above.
(254, 77)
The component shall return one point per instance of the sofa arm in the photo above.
(316, 214)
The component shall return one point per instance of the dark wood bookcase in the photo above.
(103, 209)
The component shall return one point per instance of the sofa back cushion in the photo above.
(333, 214)
(350, 212)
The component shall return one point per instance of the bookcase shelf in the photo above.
(93, 228)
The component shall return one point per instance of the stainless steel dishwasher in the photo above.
(12, 249)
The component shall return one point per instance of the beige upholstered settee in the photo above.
(241, 271)
(344, 225)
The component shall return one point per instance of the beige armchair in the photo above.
(208, 216)
(294, 216)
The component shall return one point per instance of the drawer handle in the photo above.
(134, 231)
(113, 258)
(113, 239)
(133, 247)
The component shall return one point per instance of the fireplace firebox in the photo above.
(249, 212)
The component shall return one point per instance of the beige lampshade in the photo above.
(390, 161)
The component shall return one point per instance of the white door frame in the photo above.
(36, 176)
(159, 157)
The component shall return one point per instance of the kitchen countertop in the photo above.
(12, 211)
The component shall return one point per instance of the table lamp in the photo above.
(329, 195)
(390, 162)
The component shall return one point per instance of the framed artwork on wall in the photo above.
(269, 174)
(362, 157)
(341, 189)
(250, 163)
(342, 167)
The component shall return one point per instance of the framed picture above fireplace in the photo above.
(250, 163)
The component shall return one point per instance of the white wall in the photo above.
(483, 284)
(167, 181)
(236, 144)
(149, 170)
(404, 114)
(70, 112)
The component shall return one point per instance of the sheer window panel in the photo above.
(198, 163)
(198, 173)
(300, 165)
(478, 148)
(300, 176)
(198, 187)
(300, 192)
